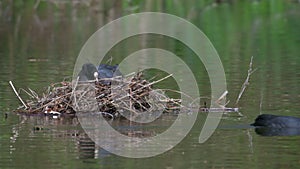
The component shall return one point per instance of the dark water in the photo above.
(39, 47)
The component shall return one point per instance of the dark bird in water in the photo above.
(90, 72)
(273, 125)
(274, 121)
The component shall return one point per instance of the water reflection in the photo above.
(62, 129)
(87, 148)
(266, 131)
(69, 128)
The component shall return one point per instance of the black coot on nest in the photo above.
(108, 71)
(89, 71)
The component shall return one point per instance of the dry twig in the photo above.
(17, 94)
(246, 83)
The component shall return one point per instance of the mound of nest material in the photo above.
(105, 90)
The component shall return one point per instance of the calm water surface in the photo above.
(39, 47)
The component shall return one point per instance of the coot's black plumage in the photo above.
(274, 121)
(108, 71)
(88, 71)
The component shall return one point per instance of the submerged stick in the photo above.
(222, 109)
(246, 83)
(17, 94)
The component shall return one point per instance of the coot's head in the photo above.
(87, 72)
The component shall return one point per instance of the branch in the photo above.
(17, 94)
(246, 83)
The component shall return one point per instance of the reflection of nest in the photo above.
(130, 96)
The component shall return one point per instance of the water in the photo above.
(39, 47)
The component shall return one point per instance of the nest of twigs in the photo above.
(128, 96)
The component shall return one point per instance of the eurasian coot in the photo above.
(274, 121)
(108, 71)
(88, 71)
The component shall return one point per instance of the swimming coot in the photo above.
(274, 121)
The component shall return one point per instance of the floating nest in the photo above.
(129, 96)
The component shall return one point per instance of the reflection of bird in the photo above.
(268, 131)
(90, 72)
(274, 121)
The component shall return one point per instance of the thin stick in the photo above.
(74, 94)
(225, 109)
(34, 94)
(261, 101)
(17, 94)
(21, 89)
(179, 92)
(250, 141)
(110, 60)
(218, 101)
(246, 83)
(222, 96)
(154, 82)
